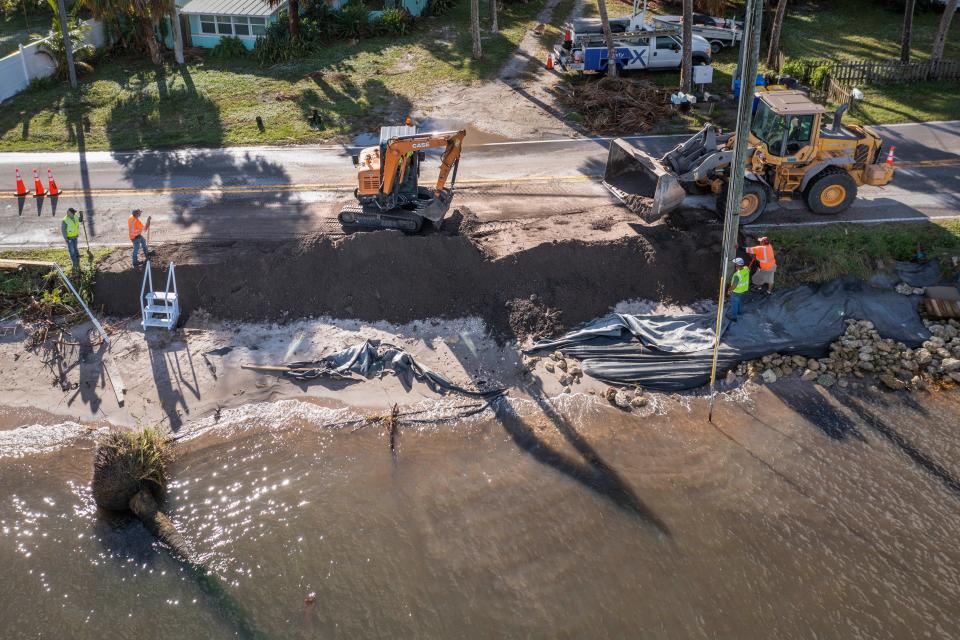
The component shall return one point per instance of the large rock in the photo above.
(769, 376)
(891, 382)
(809, 375)
(826, 380)
(949, 365)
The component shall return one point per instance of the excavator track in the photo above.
(358, 217)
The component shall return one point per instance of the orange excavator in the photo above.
(389, 195)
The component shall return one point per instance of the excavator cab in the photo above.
(389, 193)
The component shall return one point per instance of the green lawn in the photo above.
(15, 28)
(837, 250)
(130, 104)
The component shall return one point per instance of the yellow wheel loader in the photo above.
(794, 153)
(389, 194)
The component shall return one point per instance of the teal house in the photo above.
(211, 20)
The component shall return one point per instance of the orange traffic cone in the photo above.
(21, 188)
(52, 189)
(37, 185)
(890, 156)
(550, 62)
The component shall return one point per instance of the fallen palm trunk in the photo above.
(129, 474)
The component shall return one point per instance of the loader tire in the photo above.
(831, 192)
(753, 204)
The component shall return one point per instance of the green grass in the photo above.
(129, 104)
(17, 287)
(859, 29)
(837, 250)
(15, 28)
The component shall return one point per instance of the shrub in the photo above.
(795, 69)
(393, 22)
(353, 20)
(439, 7)
(818, 77)
(229, 47)
(276, 45)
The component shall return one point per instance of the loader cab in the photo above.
(370, 171)
(786, 126)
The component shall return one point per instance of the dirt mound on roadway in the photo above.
(389, 276)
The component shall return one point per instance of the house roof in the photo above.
(231, 7)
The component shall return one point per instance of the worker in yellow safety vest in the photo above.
(70, 230)
(739, 285)
(135, 230)
(766, 263)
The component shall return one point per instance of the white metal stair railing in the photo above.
(159, 308)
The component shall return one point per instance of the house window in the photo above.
(240, 26)
(207, 24)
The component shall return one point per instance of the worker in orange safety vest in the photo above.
(766, 263)
(135, 229)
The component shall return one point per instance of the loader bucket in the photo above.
(644, 184)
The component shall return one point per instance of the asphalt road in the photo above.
(276, 192)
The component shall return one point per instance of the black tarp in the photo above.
(370, 359)
(671, 353)
(919, 274)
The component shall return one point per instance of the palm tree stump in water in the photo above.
(130, 474)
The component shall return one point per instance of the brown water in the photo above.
(575, 522)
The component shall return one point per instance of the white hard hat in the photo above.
(738, 262)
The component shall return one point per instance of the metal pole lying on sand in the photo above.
(750, 53)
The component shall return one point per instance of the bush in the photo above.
(439, 7)
(393, 22)
(795, 69)
(229, 47)
(818, 77)
(276, 45)
(353, 20)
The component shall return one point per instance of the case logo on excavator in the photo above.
(420, 145)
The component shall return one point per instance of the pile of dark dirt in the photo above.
(528, 318)
(389, 276)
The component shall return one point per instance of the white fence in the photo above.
(31, 62)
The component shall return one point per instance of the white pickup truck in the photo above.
(719, 32)
(637, 46)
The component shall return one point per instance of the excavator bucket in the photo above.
(643, 183)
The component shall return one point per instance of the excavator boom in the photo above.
(400, 151)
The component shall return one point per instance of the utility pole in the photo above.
(67, 45)
(749, 61)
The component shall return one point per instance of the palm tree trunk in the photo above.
(494, 25)
(906, 34)
(773, 49)
(177, 32)
(150, 37)
(293, 6)
(475, 29)
(608, 37)
(686, 68)
(145, 507)
(940, 40)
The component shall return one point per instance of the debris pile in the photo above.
(616, 105)
(861, 354)
(529, 317)
(905, 289)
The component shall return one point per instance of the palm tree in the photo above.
(940, 40)
(53, 44)
(293, 11)
(686, 68)
(906, 34)
(475, 29)
(494, 25)
(141, 15)
(774, 46)
(608, 37)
